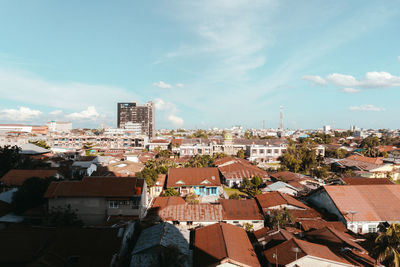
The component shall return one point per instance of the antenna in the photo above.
(263, 124)
(281, 118)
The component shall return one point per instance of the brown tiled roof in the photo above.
(223, 243)
(387, 148)
(365, 181)
(377, 161)
(286, 253)
(261, 232)
(237, 169)
(159, 141)
(370, 202)
(272, 199)
(307, 224)
(18, 177)
(276, 235)
(96, 187)
(161, 179)
(362, 165)
(176, 142)
(235, 209)
(162, 202)
(192, 212)
(193, 176)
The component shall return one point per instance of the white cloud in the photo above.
(179, 85)
(89, 114)
(315, 79)
(162, 85)
(56, 112)
(366, 108)
(169, 112)
(373, 79)
(350, 90)
(21, 114)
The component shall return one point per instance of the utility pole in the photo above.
(281, 118)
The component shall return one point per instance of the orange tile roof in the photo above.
(377, 161)
(370, 202)
(18, 177)
(235, 209)
(162, 202)
(192, 212)
(272, 199)
(307, 224)
(286, 252)
(96, 187)
(365, 181)
(223, 243)
(193, 176)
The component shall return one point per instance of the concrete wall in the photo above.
(315, 262)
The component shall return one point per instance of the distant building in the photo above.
(131, 115)
(327, 128)
(59, 126)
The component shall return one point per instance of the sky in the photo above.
(212, 63)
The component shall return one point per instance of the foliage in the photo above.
(164, 153)
(199, 161)
(200, 134)
(9, 158)
(62, 217)
(250, 187)
(240, 154)
(170, 192)
(387, 246)
(219, 156)
(343, 134)
(339, 153)
(321, 138)
(30, 194)
(192, 199)
(248, 227)
(40, 143)
(370, 142)
(280, 218)
(247, 135)
(234, 196)
(149, 174)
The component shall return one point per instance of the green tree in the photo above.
(191, 199)
(387, 246)
(62, 217)
(250, 187)
(170, 192)
(248, 227)
(9, 158)
(150, 175)
(40, 143)
(280, 218)
(234, 196)
(30, 194)
(370, 142)
(240, 154)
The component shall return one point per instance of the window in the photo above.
(189, 223)
(261, 151)
(113, 204)
(276, 151)
(213, 190)
(254, 151)
(269, 151)
(371, 228)
(124, 202)
(235, 221)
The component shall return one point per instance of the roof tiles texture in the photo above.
(365, 181)
(96, 187)
(223, 243)
(240, 170)
(235, 209)
(18, 177)
(272, 199)
(178, 177)
(194, 213)
(370, 202)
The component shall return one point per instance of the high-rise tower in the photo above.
(281, 118)
(140, 115)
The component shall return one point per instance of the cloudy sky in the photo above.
(204, 63)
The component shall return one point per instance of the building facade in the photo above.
(132, 113)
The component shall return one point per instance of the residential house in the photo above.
(234, 170)
(83, 168)
(158, 186)
(200, 181)
(281, 187)
(158, 144)
(157, 240)
(360, 207)
(301, 182)
(15, 178)
(100, 199)
(242, 213)
(222, 244)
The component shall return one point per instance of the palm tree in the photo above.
(387, 248)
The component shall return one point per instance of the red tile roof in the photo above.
(192, 212)
(161, 180)
(162, 202)
(237, 169)
(18, 177)
(370, 202)
(96, 187)
(178, 177)
(377, 161)
(235, 209)
(223, 243)
(320, 223)
(286, 253)
(365, 181)
(272, 199)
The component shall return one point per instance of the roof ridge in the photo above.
(223, 238)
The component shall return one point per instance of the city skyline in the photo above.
(203, 64)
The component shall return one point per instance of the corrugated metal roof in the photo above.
(178, 177)
(235, 209)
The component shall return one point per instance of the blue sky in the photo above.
(204, 63)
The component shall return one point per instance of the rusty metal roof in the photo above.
(367, 202)
(272, 199)
(178, 177)
(192, 212)
(235, 209)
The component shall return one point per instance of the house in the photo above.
(296, 252)
(155, 242)
(234, 170)
(277, 200)
(83, 168)
(15, 178)
(299, 181)
(200, 181)
(360, 207)
(242, 213)
(281, 187)
(222, 244)
(100, 199)
(158, 186)
(125, 168)
(158, 144)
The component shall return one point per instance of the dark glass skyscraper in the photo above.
(137, 114)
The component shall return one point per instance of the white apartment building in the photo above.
(266, 153)
(59, 126)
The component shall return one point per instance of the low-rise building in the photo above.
(15, 178)
(98, 199)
